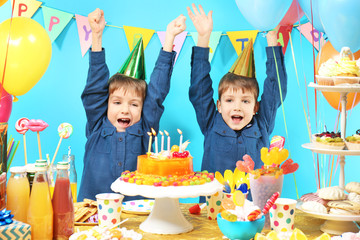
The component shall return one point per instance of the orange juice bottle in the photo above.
(40, 213)
(18, 191)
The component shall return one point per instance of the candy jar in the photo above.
(40, 213)
(18, 193)
(63, 203)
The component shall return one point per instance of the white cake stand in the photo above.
(166, 216)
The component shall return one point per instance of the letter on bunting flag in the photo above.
(134, 33)
(213, 42)
(310, 34)
(25, 8)
(178, 41)
(55, 21)
(85, 33)
(239, 39)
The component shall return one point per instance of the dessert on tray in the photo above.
(353, 142)
(329, 140)
(172, 167)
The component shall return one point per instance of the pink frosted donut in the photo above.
(20, 125)
(37, 125)
(65, 130)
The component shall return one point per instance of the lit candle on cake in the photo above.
(150, 140)
(156, 141)
(168, 140)
(181, 138)
(162, 140)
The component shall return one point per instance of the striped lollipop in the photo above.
(65, 130)
(270, 202)
(21, 127)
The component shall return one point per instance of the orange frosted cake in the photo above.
(153, 165)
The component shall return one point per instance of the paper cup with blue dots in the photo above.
(109, 208)
(282, 216)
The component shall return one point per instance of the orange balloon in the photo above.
(333, 98)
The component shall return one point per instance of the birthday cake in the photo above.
(172, 167)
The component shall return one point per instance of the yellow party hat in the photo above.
(244, 65)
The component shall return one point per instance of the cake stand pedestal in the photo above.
(166, 216)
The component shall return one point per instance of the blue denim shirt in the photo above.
(107, 152)
(223, 147)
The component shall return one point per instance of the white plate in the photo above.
(329, 216)
(143, 206)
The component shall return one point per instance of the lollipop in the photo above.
(270, 202)
(37, 125)
(65, 130)
(21, 128)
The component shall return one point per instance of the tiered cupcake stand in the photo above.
(337, 224)
(166, 216)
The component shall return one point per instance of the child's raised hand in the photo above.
(174, 28)
(97, 21)
(203, 24)
(271, 37)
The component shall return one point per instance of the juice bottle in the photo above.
(70, 158)
(63, 203)
(18, 193)
(40, 213)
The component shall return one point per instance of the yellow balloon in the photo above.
(2, 2)
(28, 57)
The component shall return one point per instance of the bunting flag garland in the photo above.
(283, 36)
(55, 21)
(309, 33)
(85, 33)
(213, 42)
(133, 35)
(239, 39)
(25, 8)
(178, 41)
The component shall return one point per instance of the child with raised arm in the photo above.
(121, 110)
(237, 124)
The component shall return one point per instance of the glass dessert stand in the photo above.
(166, 216)
(336, 224)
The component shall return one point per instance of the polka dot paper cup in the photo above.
(282, 217)
(213, 205)
(109, 208)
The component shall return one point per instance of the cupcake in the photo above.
(347, 71)
(329, 140)
(327, 70)
(353, 142)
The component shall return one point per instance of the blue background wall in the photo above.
(56, 97)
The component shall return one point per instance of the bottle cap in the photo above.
(43, 161)
(30, 168)
(63, 165)
(40, 167)
(19, 169)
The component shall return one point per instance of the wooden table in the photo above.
(208, 229)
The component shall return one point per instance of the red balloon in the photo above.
(293, 15)
(333, 98)
(5, 105)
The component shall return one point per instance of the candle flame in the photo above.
(153, 131)
(166, 133)
(179, 131)
(161, 133)
(149, 133)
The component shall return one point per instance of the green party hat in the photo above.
(244, 65)
(134, 65)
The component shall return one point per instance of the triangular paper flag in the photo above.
(25, 8)
(178, 41)
(133, 35)
(283, 36)
(213, 42)
(310, 34)
(55, 21)
(239, 39)
(85, 33)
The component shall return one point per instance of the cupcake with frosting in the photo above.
(353, 142)
(347, 71)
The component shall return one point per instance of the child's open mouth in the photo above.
(124, 122)
(236, 119)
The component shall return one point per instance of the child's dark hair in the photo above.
(231, 80)
(118, 81)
